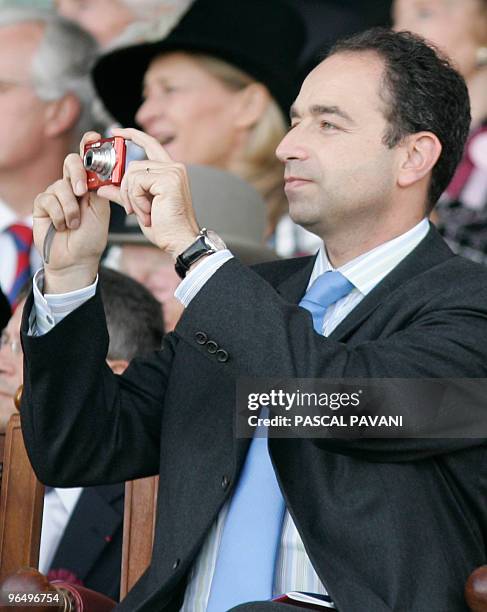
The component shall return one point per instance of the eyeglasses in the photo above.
(14, 345)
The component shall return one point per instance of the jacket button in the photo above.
(201, 337)
(225, 482)
(211, 347)
(176, 563)
(222, 355)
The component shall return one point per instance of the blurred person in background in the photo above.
(45, 98)
(115, 23)
(217, 91)
(81, 540)
(459, 28)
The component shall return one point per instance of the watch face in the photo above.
(214, 241)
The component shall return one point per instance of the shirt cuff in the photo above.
(50, 309)
(196, 279)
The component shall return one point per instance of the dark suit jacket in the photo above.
(392, 524)
(5, 311)
(91, 546)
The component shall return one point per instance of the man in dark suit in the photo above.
(90, 549)
(370, 524)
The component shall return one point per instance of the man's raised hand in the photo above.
(81, 220)
(157, 192)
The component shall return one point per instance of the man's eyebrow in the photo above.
(321, 109)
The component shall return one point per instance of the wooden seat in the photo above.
(138, 530)
(21, 503)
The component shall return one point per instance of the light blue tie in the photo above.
(246, 559)
(327, 289)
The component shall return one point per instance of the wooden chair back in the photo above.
(21, 503)
(138, 530)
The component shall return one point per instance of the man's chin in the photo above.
(304, 218)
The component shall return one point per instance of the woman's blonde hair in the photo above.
(258, 165)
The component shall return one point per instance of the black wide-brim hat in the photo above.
(264, 38)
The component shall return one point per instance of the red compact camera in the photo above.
(104, 161)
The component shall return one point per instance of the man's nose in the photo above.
(292, 146)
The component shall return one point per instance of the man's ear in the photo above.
(250, 104)
(421, 152)
(62, 115)
(118, 366)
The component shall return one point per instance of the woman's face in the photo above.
(457, 27)
(190, 112)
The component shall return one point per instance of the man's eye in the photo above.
(327, 126)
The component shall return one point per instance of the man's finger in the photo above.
(138, 186)
(87, 138)
(49, 204)
(148, 166)
(113, 193)
(74, 171)
(141, 206)
(64, 193)
(153, 148)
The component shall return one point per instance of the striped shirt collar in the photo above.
(368, 269)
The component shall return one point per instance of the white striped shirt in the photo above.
(294, 571)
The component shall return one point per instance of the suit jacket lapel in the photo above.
(431, 251)
(294, 286)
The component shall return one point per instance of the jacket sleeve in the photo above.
(82, 424)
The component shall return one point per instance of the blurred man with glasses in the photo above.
(45, 101)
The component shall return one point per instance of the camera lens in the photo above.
(89, 160)
(101, 160)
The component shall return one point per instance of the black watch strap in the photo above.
(195, 251)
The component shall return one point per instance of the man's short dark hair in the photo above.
(422, 92)
(134, 316)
